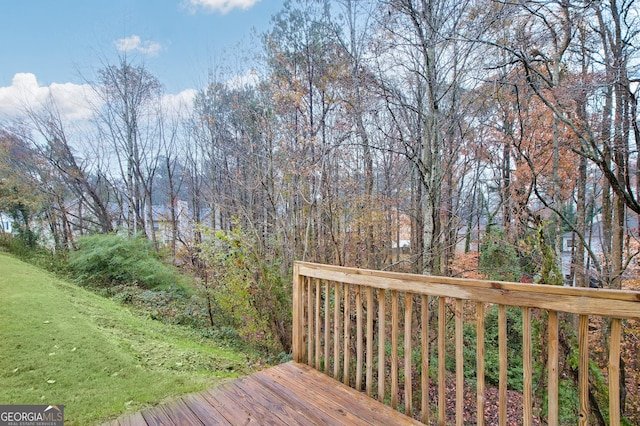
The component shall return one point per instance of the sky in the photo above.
(50, 46)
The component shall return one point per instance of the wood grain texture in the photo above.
(347, 335)
(336, 329)
(480, 386)
(527, 367)
(552, 367)
(453, 296)
(309, 307)
(587, 301)
(408, 394)
(381, 342)
(583, 370)
(425, 409)
(504, 364)
(287, 394)
(614, 372)
(394, 348)
(369, 370)
(459, 324)
(180, 413)
(327, 325)
(132, 420)
(318, 349)
(442, 385)
(359, 338)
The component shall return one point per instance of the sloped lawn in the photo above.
(61, 344)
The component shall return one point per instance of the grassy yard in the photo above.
(61, 344)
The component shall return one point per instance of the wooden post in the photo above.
(298, 315)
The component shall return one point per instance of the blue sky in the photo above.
(60, 41)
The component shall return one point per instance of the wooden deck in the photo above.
(287, 394)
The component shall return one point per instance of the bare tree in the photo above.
(130, 96)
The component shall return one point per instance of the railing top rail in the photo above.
(584, 301)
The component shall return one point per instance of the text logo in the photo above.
(31, 415)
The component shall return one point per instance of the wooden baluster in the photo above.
(504, 363)
(459, 364)
(527, 367)
(408, 397)
(310, 321)
(552, 387)
(424, 350)
(327, 317)
(614, 372)
(480, 387)
(442, 386)
(318, 349)
(359, 338)
(583, 370)
(347, 334)
(381, 339)
(337, 335)
(394, 349)
(369, 373)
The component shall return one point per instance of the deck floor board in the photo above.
(287, 394)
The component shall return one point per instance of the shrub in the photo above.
(245, 289)
(498, 258)
(107, 260)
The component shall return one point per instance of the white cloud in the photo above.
(222, 6)
(74, 101)
(248, 79)
(135, 43)
(179, 103)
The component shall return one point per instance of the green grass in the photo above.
(61, 344)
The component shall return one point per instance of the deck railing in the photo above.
(388, 334)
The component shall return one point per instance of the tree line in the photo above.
(367, 120)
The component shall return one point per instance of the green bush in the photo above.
(245, 289)
(53, 261)
(108, 260)
(498, 258)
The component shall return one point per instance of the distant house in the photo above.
(401, 241)
(6, 224)
(163, 224)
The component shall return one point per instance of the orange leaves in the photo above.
(541, 147)
(465, 265)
